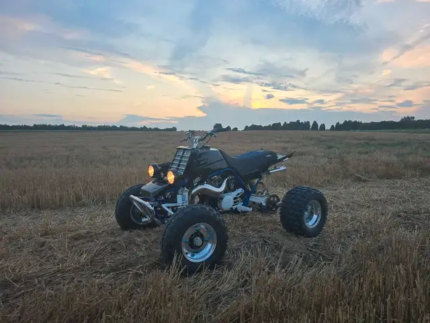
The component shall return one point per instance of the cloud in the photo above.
(406, 48)
(73, 76)
(9, 73)
(387, 107)
(292, 101)
(273, 69)
(396, 82)
(386, 72)
(200, 23)
(104, 73)
(236, 79)
(280, 70)
(101, 18)
(406, 104)
(45, 115)
(416, 86)
(132, 119)
(320, 101)
(243, 71)
(323, 55)
(279, 86)
(240, 116)
(59, 84)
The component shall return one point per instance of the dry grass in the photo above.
(51, 170)
(73, 264)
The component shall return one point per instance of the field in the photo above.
(63, 257)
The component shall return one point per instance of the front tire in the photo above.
(304, 211)
(126, 214)
(197, 235)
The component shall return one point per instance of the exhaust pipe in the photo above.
(210, 190)
(145, 208)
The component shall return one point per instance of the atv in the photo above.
(190, 194)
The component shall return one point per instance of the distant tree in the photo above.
(277, 126)
(408, 118)
(235, 129)
(332, 128)
(322, 127)
(218, 127)
(337, 126)
(314, 126)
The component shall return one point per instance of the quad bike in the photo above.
(190, 193)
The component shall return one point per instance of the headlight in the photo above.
(170, 177)
(153, 170)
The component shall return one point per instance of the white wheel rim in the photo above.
(312, 214)
(199, 242)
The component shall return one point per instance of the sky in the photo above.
(194, 63)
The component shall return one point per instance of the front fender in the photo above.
(152, 189)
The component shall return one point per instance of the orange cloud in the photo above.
(418, 57)
(388, 54)
(386, 72)
(15, 26)
(93, 57)
(17, 23)
(418, 95)
(103, 72)
(12, 27)
(156, 73)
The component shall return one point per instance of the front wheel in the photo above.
(127, 214)
(304, 211)
(197, 235)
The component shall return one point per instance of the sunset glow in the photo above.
(195, 63)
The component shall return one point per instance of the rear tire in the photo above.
(125, 211)
(304, 211)
(197, 235)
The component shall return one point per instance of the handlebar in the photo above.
(195, 140)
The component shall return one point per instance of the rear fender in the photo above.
(281, 158)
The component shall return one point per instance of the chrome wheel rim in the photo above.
(136, 215)
(199, 242)
(312, 214)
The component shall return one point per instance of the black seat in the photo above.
(256, 161)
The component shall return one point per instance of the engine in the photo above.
(231, 200)
(231, 196)
(224, 192)
(217, 181)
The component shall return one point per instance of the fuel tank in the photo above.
(206, 161)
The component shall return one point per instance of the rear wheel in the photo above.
(197, 235)
(304, 211)
(127, 215)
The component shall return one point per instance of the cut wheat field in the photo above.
(64, 259)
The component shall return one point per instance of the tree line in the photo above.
(406, 123)
(83, 127)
